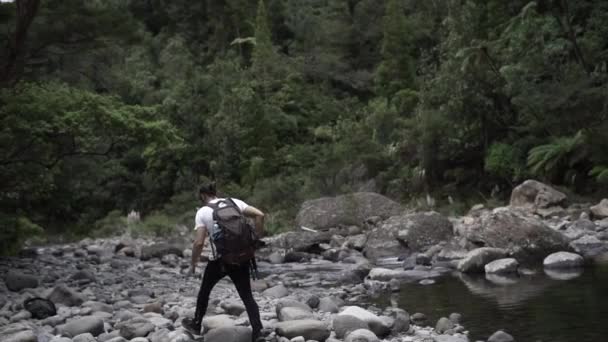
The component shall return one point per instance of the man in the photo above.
(216, 269)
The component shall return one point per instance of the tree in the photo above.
(396, 70)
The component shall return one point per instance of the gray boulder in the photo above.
(40, 308)
(217, 321)
(476, 259)
(533, 195)
(500, 266)
(88, 324)
(351, 209)
(159, 250)
(444, 324)
(375, 323)
(521, 234)
(600, 210)
(501, 336)
(361, 335)
(86, 337)
(290, 303)
(588, 245)
(562, 260)
(278, 291)
(233, 307)
(17, 333)
(293, 314)
(308, 328)
(326, 304)
(61, 294)
(382, 243)
(580, 228)
(402, 322)
(232, 334)
(356, 242)
(135, 327)
(344, 324)
(400, 235)
(419, 231)
(299, 241)
(16, 281)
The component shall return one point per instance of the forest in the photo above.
(113, 106)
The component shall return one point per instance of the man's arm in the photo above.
(258, 217)
(197, 246)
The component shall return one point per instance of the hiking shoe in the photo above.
(259, 336)
(191, 326)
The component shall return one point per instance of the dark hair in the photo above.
(208, 189)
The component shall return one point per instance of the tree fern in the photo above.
(544, 158)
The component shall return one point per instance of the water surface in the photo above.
(570, 307)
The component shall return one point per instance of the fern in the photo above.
(544, 158)
(600, 173)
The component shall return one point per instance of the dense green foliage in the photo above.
(111, 106)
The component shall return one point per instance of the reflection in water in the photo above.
(505, 291)
(554, 307)
(564, 274)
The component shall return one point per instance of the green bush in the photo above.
(156, 225)
(15, 232)
(503, 161)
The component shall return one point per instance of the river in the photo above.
(538, 307)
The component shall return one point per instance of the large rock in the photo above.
(521, 234)
(501, 266)
(375, 323)
(16, 281)
(348, 209)
(382, 243)
(217, 321)
(361, 335)
(534, 195)
(344, 324)
(300, 241)
(278, 291)
(293, 314)
(87, 337)
(443, 325)
(477, 259)
(40, 308)
(308, 328)
(226, 334)
(580, 228)
(600, 210)
(17, 333)
(588, 245)
(61, 294)
(159, 250)
(290, 303)
(326, 304)
(501, 336)
(135, 327)
(419, 231)
(402, 234)
(88, 324)
(561, 260)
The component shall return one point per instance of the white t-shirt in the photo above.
(204, 216)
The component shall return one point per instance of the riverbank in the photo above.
(317, 282)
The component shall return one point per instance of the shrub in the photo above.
(14, 233)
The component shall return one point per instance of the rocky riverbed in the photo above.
(313, 286)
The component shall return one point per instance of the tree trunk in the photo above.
(16, 47)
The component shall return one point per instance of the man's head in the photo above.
(207, 192)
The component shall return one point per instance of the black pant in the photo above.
(239, 275)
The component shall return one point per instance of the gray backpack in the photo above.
(232, 235)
